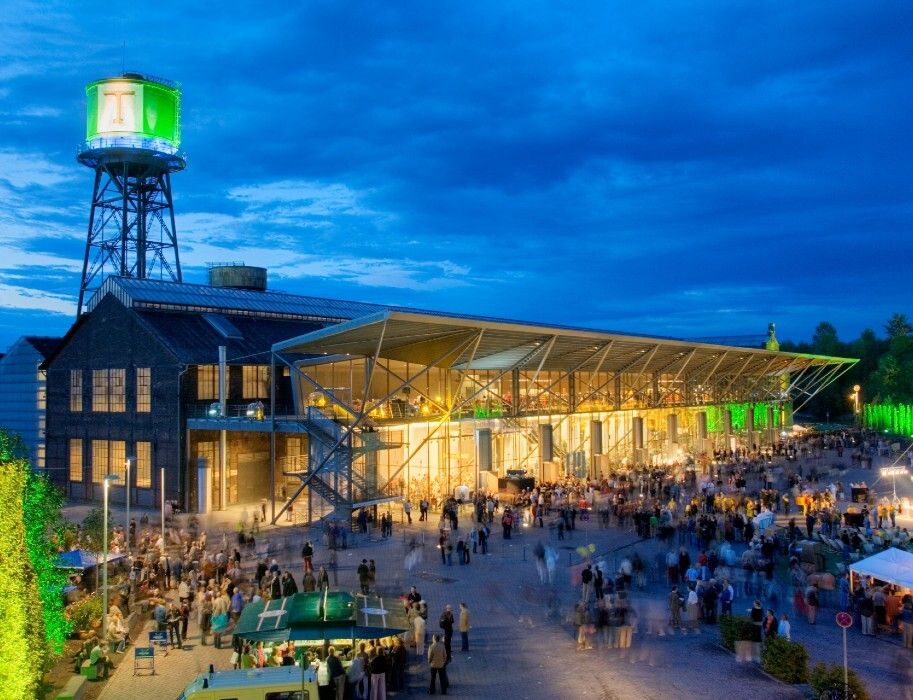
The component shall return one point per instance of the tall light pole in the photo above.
(162, 485)
(856, 389)
(104, 566)
(127, 530)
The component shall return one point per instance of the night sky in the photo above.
(674, 168)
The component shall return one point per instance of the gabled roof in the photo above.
(43, 344)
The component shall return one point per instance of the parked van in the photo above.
(279, 683)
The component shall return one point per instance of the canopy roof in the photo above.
(81, 559)
(315, 617)
(891, 566)
(493, 344)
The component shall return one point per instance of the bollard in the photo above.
(524, 552)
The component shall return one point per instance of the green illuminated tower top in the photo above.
(142, 111)
(133, 132)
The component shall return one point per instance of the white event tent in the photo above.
(891, 566)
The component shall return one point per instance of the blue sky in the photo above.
(677, 168)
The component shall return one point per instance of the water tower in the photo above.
(133, 131)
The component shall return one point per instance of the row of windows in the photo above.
(110, 457)
(254, 382)
(109, 390)
(109, 387)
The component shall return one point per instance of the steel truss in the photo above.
(131, 230)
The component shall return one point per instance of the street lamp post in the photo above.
(104, 566)
(127, 490)
(856, 390)
(162, 485)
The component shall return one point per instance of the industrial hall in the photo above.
(230, 394)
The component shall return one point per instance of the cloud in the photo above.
(28, 298)
(21, 170)
(666, 167)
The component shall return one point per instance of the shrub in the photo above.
(82, 613)
(829, 678)
(785, 660)
(735, 628)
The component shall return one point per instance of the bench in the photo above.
(74, 689)
(94, 671)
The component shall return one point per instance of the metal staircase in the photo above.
(332, 459)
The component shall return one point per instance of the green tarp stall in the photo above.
(318, 617)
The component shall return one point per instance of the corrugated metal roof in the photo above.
(194, 340)
(147, 293)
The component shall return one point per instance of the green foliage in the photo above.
(91, 536)
(898, 326)
(42, 505)
(884, 370)
(785, 660)
(22, 637)
(735, 628)
(82, 613)
(829, 678)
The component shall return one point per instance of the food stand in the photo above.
(319, 619)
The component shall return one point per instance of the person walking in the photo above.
(307, 554)
(364, 576)
(906, 622)
(675, 608)
(783, 629)
(811, 602)
(446, 624)
(464, 627)
(337, 674)
(437, 662)
(407, 510)
(174, 626)
(378, 666)
(418, 626)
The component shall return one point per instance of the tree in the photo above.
(91, 537)
(898, 326)
(824, 341)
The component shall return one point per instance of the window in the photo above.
(108, 457)
(75, 389)
(40, 456)
(143, 389)
(99, 460)
(288, 695)
(256, 381)
(108, 390)
(118, 460)
(117, 397)
(143, 465)
(208, 382)
(75, 460)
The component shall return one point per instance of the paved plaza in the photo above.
(518, 651)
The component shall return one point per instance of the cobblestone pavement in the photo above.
(517, 652)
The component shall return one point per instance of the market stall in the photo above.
(893, 566)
